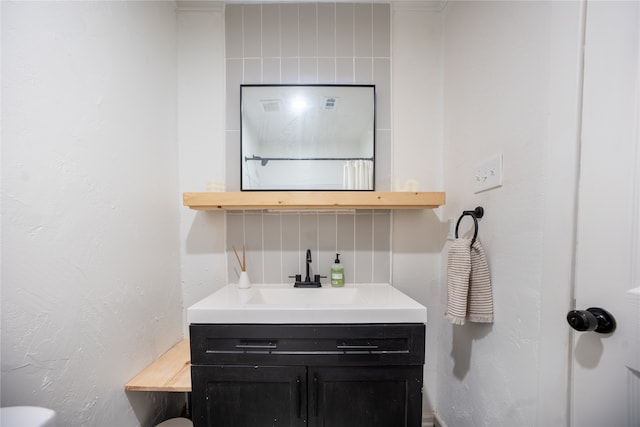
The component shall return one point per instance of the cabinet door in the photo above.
(248, 396)
(372, 396)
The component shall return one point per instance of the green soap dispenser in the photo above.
(337, 273)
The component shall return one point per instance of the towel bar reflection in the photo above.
(478, 212)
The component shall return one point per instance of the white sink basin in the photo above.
(304, 296)
(353, 303)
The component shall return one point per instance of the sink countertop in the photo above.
(282, 303)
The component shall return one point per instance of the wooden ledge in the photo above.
(171, 372)
(313, 200)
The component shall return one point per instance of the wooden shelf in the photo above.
(171, 372)
(313, 200)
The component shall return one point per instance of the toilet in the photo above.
(27, 416)
(175, 422)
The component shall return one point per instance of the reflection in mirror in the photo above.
(307, 137)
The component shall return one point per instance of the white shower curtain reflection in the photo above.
(357, 175)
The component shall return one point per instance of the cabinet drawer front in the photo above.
(243, 396)
(372, 396)
(359, 344)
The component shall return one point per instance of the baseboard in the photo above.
(438, 421)
(427, 420)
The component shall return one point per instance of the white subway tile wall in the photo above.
(276, 244)
(309, 43)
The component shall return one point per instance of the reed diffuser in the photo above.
(243, 281)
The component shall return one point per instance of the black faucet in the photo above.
(307, 278)
(308, 283)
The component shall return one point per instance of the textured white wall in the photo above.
(511, 86)
(418, 236)
(201, 114)
(90, 274)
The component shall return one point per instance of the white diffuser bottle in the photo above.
(243, 280)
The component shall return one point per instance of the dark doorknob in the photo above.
(592, 319)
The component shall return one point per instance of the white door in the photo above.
(605, 384)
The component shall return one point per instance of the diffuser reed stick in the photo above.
(243, 263)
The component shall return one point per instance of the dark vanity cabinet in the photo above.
(367, 375)
(248, 395)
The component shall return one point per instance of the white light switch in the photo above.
(488, 175)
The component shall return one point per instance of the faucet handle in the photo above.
(298, 277)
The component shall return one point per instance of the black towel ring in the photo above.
(475, 214)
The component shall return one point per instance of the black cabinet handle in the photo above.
(344, 346)
(258, 346)
(298, 396)
(315, 395)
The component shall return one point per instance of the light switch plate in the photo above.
(488, 175)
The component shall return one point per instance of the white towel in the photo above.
(469, 293)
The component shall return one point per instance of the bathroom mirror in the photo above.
(307, 137)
